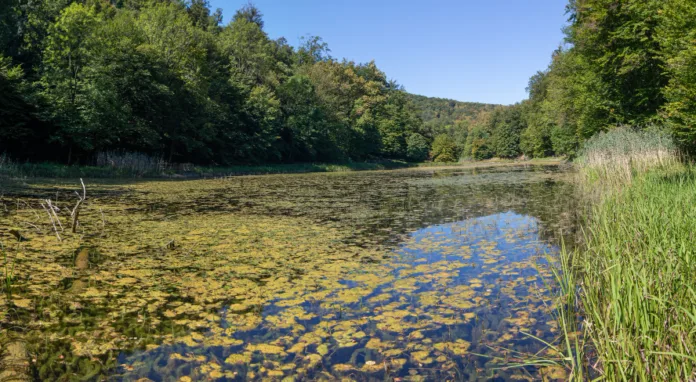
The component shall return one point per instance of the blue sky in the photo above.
(468, 50)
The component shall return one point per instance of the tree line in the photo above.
(623, 63)
(166, 78)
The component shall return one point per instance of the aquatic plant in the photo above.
(305, 275)
(8, 273)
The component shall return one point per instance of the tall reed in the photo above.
(637, 269)
(135, 163)
(619, 155)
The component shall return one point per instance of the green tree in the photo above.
(676, 35)
(506, 131)
(535, 140)
(18, 124)
(618, 40)
(163, 77)
(397, 121)
(305, 130)
(479, 143)
(443, 149)
(417, 148)
(65, 57)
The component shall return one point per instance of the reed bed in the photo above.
(616, 157)
(637, 268)
(138, 164)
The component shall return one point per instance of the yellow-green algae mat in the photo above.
(369, 276)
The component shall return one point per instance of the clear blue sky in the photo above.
(468, 50)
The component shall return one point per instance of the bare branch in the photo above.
(76, 211)
(50, 218)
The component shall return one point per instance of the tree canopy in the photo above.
(166, 78)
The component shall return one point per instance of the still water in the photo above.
(401, 275)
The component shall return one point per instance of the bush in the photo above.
(417, 147)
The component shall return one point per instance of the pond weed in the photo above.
(370, 275)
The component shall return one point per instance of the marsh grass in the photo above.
(637, 269)
(138, 164)
(619, 155)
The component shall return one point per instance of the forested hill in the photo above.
(438, 113)
(165, 78)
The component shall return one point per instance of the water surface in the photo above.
(404, 275)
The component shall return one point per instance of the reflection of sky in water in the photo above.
(449, 291)
(506, 229)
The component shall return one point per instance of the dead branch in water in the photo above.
(50, 218)
(53, 210)
(76, 211)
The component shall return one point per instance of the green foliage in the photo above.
(444, 149)
(478, 143)
(627, 62)
(618, 41)
(507, 126)
(165, 79)
(16, 112)
(636, 277)
(417, 147)
(440, 115)
(676, 34)
(64, 59)
(638, 293)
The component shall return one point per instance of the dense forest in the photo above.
(166, 78)
(440, 114)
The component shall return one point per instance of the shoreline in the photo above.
(52, 171)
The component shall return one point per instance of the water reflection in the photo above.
(450, 292)
(405, 274)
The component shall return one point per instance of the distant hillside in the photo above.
(437, 113)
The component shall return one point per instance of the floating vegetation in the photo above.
(366, 276)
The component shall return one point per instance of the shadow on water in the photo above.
(405, 275)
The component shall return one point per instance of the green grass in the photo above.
(636, 272)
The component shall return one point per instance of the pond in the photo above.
(393, 275)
